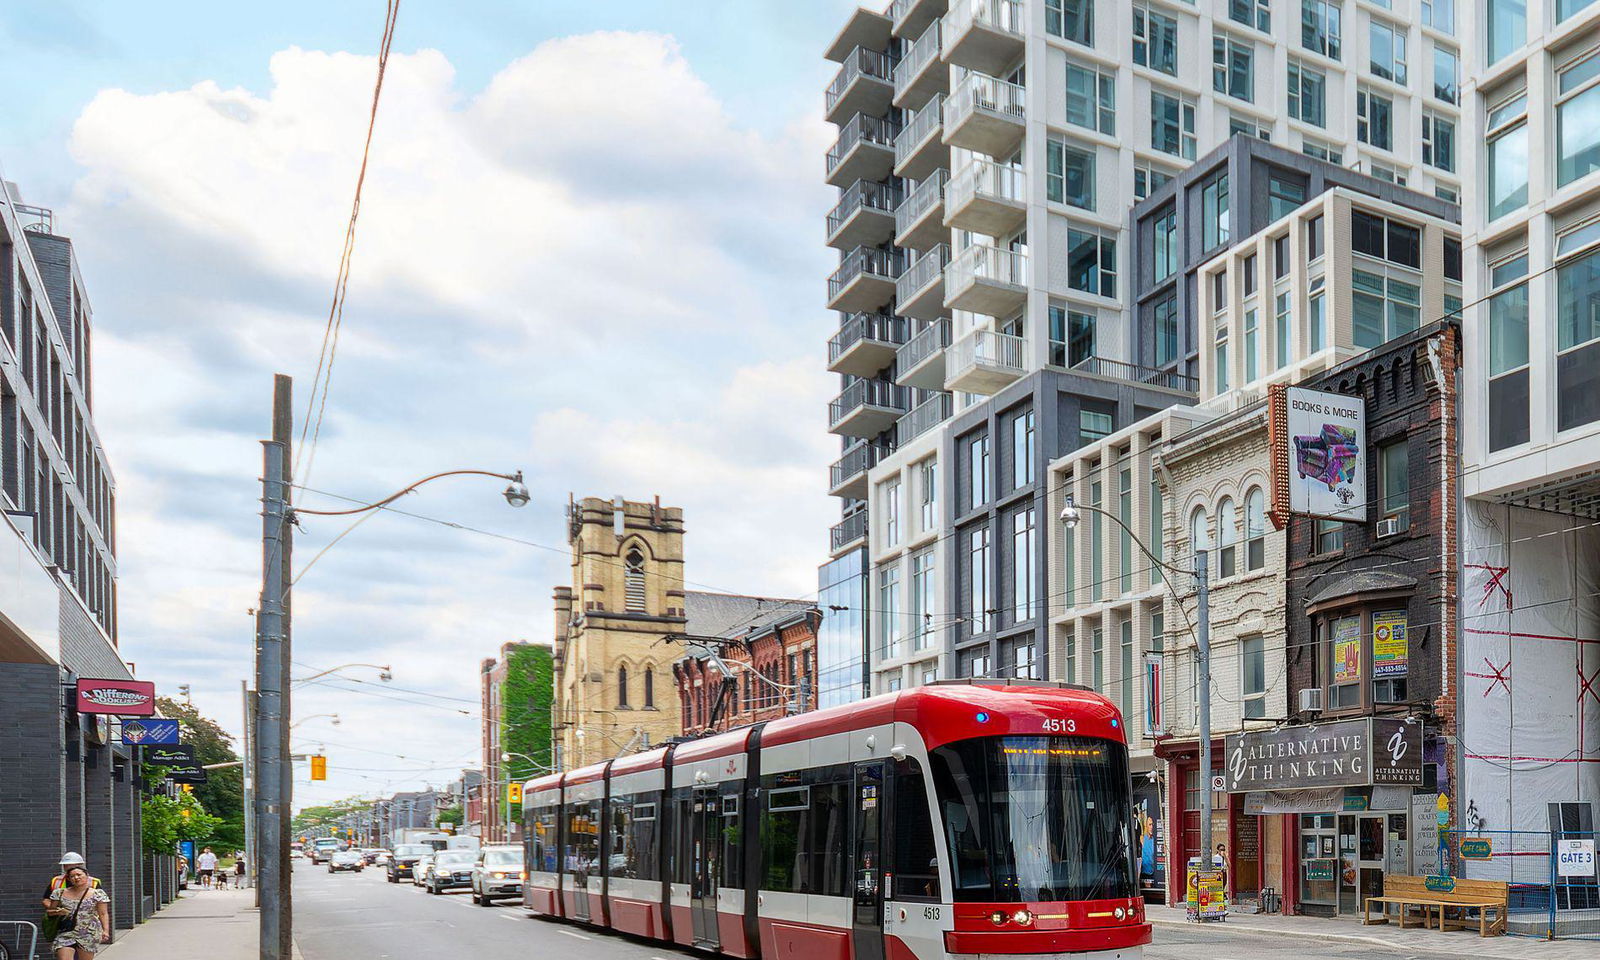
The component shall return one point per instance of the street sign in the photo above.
(126, 698)
(142, 733)
(1575, 858)
(1477, 848)
(180, 755)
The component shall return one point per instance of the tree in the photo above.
(320, 820)
(451, 815)
(167, 820)
(526, 698)
(222, 795)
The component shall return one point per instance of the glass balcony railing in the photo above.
(922, 54)
(982, 177)
(1001, 16)
(979, 91)
(982, 262)
(999, 352)
(922, 123)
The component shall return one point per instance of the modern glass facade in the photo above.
(842, 636)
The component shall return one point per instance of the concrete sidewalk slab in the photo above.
(199, 925)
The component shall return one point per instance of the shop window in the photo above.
(1364, 657)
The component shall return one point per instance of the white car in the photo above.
(497, 875)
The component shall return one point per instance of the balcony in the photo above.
(987, 197)
(865, 279)
(865, 28)
(1150, 376)
(920, 73)
(984, 361)
(864, 150)
(848, 476)
(920, 362)
(864, 216)
(863, 85)
(924, 417)
(866, 408)
(919, 149)
(849, 532)
(984, 114)
(985, 35)
(919, 292)
(986, 279)
(911, 17)
(919, 220)
(865, 343)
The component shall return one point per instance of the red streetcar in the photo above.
(953, 819)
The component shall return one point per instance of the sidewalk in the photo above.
(199, 925)
(1465, 943)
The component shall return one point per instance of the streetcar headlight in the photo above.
(998, 918)
(1022, 917)
(1120, 913)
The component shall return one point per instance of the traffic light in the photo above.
(514, 793)
(319, 767)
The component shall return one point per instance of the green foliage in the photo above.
(320, 821)
(526, 699)
(453, 815)
(167, 820)
(222, 795)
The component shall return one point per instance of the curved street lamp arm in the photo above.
(1074, 505)
(343, 666)
(513, 477)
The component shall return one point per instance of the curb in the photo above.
(1293, 934)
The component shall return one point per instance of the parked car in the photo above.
(419, 873)
(346, 860)
(402, 865)
(374, 855)
(450, 870)
(497, 874)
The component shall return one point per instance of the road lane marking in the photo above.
(508, 916)
(578, 935)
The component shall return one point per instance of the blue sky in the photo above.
(589, 249)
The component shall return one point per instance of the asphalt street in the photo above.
(346, 915)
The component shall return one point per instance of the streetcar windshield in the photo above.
(1032, 819)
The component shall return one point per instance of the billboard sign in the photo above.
(1325, 455)
(181, 755)
(155, 730)
(126, 698)
(1345, 753)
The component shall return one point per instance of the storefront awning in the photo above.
(1359, 583)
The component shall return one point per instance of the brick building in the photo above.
(771, 648)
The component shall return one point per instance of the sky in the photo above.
(589, 249)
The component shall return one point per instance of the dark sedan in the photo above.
(404, 862)
(452, 870)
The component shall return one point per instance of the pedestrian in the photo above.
(240, 875)
(69, 860)
(207, 862)
(82, 914)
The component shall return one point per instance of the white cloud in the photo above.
(589, 269)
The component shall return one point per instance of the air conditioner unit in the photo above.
(1388, 527)
(1311, 701)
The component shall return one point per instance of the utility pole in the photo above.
(274, 784)
(248, 742)
(1202, 587)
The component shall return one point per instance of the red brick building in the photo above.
(769, 645)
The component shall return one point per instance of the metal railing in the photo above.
(984, 262)
(863, 194)
(922, 123)
(924, 197)
(1006, 16)
(861, 129)
(887, 264)
(929, 341)
(860, 62)
(988, 178)
(857, 460)
(867, 393)
(1170, 379)
(985, 348)
(922, 52)
(849, 530)
(866, 326)
(979, 91)
(927, 268)
(924, 417)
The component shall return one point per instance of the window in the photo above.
(1125, 530)
(1386, 239)
(1507, 27)
(890, 625)
(1158, 522)
(1358, 644)
(1023, 543)
(1314, 239)
(1155, 40)
(1452, 259)
(1440, 15)
(1227, 537)
(633, 581)
(1069, 174)
(975, 663)
(1092, 425)
(1329, 535)
(1577, 340)
(1566, 8)
(1214, 222)
(1248, 127)
(1252, 345)
(1395, 480)
(1321, 26)
(1438, 141)
(622, 686)
(1382, 308)
(978, 463)
(1255, 530)
(1285, 194)
(1281, 329)
(890, 497)
(649, 688)
(1070, 20)
(1126, 674)
(1388, 51)
(1508, 354)
(1172, 125)
(1022, 450)
(1071, 336)
(979, 598)
(1091, 98)
(914, 845)
(1091, 262)
(1232, 67)
(928, 494)
(1374, 119)
(1164, 236)
(1317, 319)
(1508, 156)
(1322, 151)
(1308, 94)
(1147, 179)
(1097, 661)
(922, 598)
(1253, 676)
(1199, 537)
(1578, 119)
(1251, 13)
(1164, 318)
(1248, 272)
(1446, 70)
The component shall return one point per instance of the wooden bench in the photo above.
(1484, 896)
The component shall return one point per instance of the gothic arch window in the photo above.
(649, 687)
(633, 580)
(622, 686)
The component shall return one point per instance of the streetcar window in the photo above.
(829, 847)
(683, 835)
(544, 840)
(583, 837)
(916, 858)
(805, 831)
(783, 863)
(644, 811)
(619, 860)
(643, 852)
(732, 863)
(795, 798)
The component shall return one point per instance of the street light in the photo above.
(1070, 516)
(315, 716)
(384, 673)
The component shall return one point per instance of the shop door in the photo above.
(867, 918)
(706, 824)
(1362, 848)
(1319, 864)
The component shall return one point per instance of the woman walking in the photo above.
(84, 915)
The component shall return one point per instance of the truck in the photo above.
(462, 842)
(433, 838)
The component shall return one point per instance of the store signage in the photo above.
(1355, 801)
(197, 776)
(1575, 858)
(1477, 848)
(181, 755)
(179, 769)
(1439, 884)
(1320, 869)
(1389, 645)
(1322, 453)
(1345, 753)
(128, 698)
(143, 733)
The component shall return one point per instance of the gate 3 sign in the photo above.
(126, 698)
(1347, 753)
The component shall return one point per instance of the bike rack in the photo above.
(21, 927)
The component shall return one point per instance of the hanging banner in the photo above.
(1347, 650)
(1323, 454)
(1154, 728)
(141, 733)
(1389, 645)
(127, 698)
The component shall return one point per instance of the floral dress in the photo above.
(86, 935)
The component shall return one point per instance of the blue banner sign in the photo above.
(149, 731)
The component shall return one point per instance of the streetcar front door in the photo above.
(706, 848)
(867, 913)
(583, 856)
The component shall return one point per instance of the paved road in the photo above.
(346, 915)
